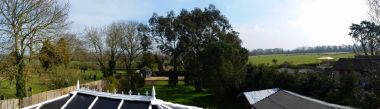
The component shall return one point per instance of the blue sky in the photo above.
(261, 23)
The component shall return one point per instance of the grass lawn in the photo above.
(186, 95)
(39, 83)
(296, 58)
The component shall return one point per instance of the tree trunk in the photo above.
(198, 85)
(186, 78)
(103, 69)
(111, 64)
(28, 69)
(364, 49)
(173, 76)
(20, 80)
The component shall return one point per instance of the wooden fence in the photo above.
(43, 96)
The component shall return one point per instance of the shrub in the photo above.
(112, 84)
(64, 77)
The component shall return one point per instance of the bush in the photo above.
(112, 84)
(64, 77)
(131, 81)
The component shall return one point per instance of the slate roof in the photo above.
(84, 98)
(283, 99)
(256, 96)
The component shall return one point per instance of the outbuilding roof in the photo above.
(283, 99)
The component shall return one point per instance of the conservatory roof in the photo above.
(84, 98)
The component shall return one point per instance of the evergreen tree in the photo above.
(62, 51)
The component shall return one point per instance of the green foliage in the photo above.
(196, 38)
(130, 81)
(20, 81)
(63, 77)
(52, 55)
(148, 60)
(47, 55)
(62, 51)
(160, 60)
(262, 76)
(167, 38)
(146, 41)
(369, 100)
(367, 34)
(223, 63)
(349, 89)
(112, 84)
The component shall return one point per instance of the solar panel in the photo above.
(135, 105)
(106, 103)
(56, 104)
(80, 101)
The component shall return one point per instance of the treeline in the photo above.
(316, 49)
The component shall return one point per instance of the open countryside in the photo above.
(306, 58)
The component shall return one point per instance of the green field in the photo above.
(296, 58)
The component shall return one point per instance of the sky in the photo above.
(261, 23)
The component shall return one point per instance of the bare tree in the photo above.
(374, 10)
(131, 43)
(114, 34)
(24, 21)
(96, 44)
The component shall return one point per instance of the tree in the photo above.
(201, 29)
(146, 43)
(187, 38)
(23, 22)
(63, 52)
(95, 42)
(76, 47)
(48, 55)
(131, 43)
(114, 37)
(374, 10)
(164, 34)
(367, 34)
(223, 63)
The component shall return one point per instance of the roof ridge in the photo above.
(317, 100)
